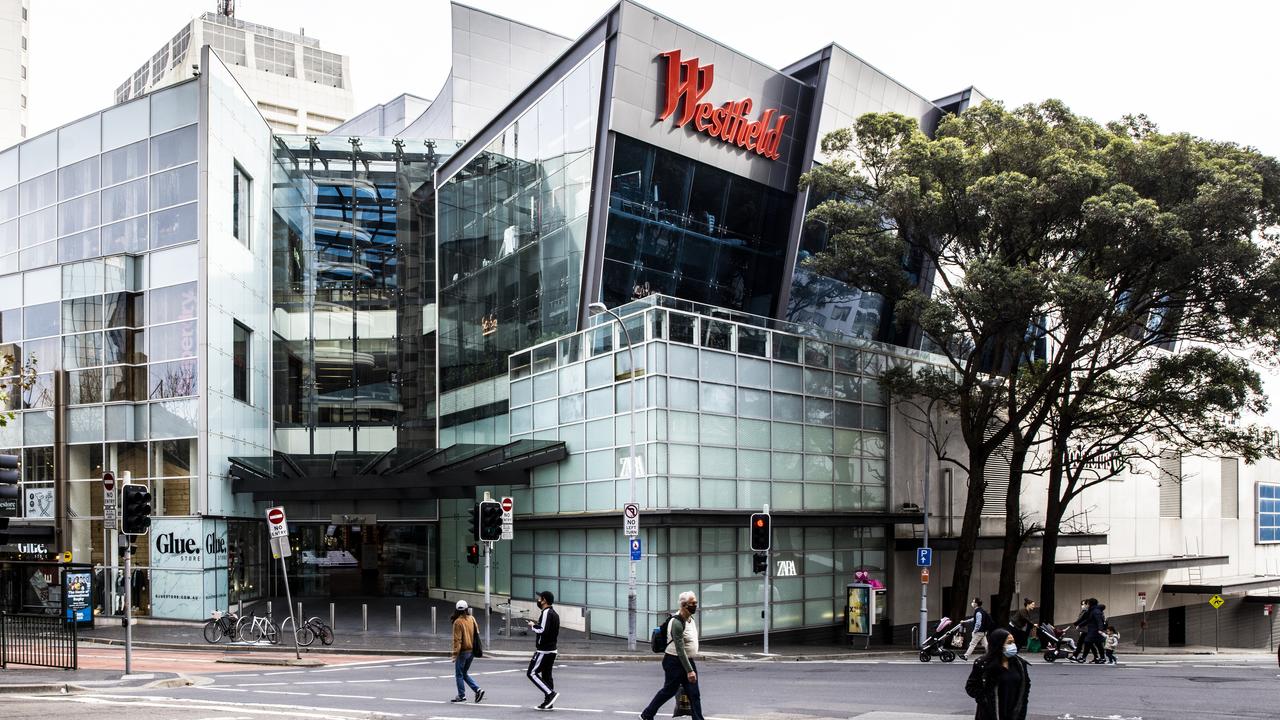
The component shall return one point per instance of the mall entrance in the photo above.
(383, 559)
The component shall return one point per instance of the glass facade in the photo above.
(691, 230)
(735, 411)
(98, 270)
(512, 234)
(354, 273)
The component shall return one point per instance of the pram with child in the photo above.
(937, 644)
(1058, 644)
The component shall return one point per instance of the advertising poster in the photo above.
(859, 616)
(177, 568)
(79, 584)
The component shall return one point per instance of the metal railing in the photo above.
(42, 640)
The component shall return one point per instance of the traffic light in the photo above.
(760, 531)
(135, 512)
(8, 491)
(473, 521)
(759, 562)
(490, 520)
(473, 554)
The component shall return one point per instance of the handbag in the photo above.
(683, 707)
(477, 650)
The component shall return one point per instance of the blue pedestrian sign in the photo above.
(635, 549)
(924, 557)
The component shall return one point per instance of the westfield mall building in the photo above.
(375, 326)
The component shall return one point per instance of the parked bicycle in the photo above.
(315, 628)
(221, 625)
(256, 628)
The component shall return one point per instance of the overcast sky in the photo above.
(1206, 68)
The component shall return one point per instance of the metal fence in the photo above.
(43, 640)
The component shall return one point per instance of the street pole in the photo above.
(125, 477)
(288, 596)
(764, 613)
(488, 556)
(924, 586)
(631, 477)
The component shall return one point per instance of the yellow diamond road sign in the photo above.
(1216, 601)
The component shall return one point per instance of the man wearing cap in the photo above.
(465, 630)
(546, 630)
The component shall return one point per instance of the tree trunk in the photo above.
(1012, 536)
(963, 568)
(1052, 528)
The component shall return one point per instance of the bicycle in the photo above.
(303, 635)
(254, 628)
(316, 628)
(221, 625)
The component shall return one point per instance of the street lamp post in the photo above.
(592, 310)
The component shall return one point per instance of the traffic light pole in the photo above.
(125, 478)
(767, 588)
(488, 556)
(924, 586)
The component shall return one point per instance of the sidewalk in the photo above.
(20, 679)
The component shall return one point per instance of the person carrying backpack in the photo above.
(982, 624)
(679, 642)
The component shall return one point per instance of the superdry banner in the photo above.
(688, 81)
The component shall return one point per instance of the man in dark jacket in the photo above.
(546, 631)
(982, 624)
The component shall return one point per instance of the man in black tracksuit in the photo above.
(547, 630)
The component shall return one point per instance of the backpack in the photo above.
(658, 638)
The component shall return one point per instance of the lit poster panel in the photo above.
(859, 612)
(177, 568)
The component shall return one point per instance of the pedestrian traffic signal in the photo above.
(8, 491)
(759, 562)
(760, 533)
(136, 510)
(490, 520)
(473, 554)
(473, 521)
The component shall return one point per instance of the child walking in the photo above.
(1113, 640)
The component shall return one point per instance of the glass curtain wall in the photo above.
(354, 276)
(686, 229)
(513, 225)
(732, 415)
(98, 262)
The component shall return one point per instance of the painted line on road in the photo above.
(256, 708)
(421, 662)
(285, 672)
(224, 689)
(352, 697)
(568, 709)
(318, 682)
(369, 681)
(499, 672)
(416, 700)
(239, 675)
(607, 662)
(421, 677)
(279, 692)
(260, 684)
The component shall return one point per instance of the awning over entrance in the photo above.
(1129, 566)
(1237, 585)
(452, 472)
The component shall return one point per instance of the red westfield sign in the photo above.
(730, 123)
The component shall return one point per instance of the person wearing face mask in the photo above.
(547, 630)
(982, 622)
(1000, 681)
(677, 662)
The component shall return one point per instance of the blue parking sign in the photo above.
(924, 557)
(635, 549)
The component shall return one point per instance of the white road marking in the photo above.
(239, 675)
(369, 681)
(260, 684)
(568, 709)
(353, 697)
(278, 692)
(607, 662)
(225, 689)
(213, 705)
(420, 677)
(499, 672)
(318, 682)
(423, 662)
(285, 672)
(417, 700)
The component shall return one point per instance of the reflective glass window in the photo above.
(39, 192)
(78, 179)
(174, 225)
(79, 214)
(124, 163)
(38, 227)
(82, 314)
(9, 237)
(129, 236)
(8, 203)
(80, 246)
(174, 106)
(173, 187)
(124, 201)
(176, 302)
(173, 148)
(42, 320)
(172, 379)
(241, 338)
(173, 341)
(39, 256)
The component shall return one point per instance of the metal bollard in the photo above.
(298, 617)
(586, 622)
(331, 623)
(397, 619)
(433, 619)
(364, 613)
(269, 609)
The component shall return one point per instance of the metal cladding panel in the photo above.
(639, 97)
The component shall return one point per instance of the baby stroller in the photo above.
(1057, 643)
(936, 645)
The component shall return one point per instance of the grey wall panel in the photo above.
(639, 92)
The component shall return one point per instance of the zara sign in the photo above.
(688, 82)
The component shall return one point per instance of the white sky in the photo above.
(1205, 68)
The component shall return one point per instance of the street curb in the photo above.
(271, 661)
(70, 687)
